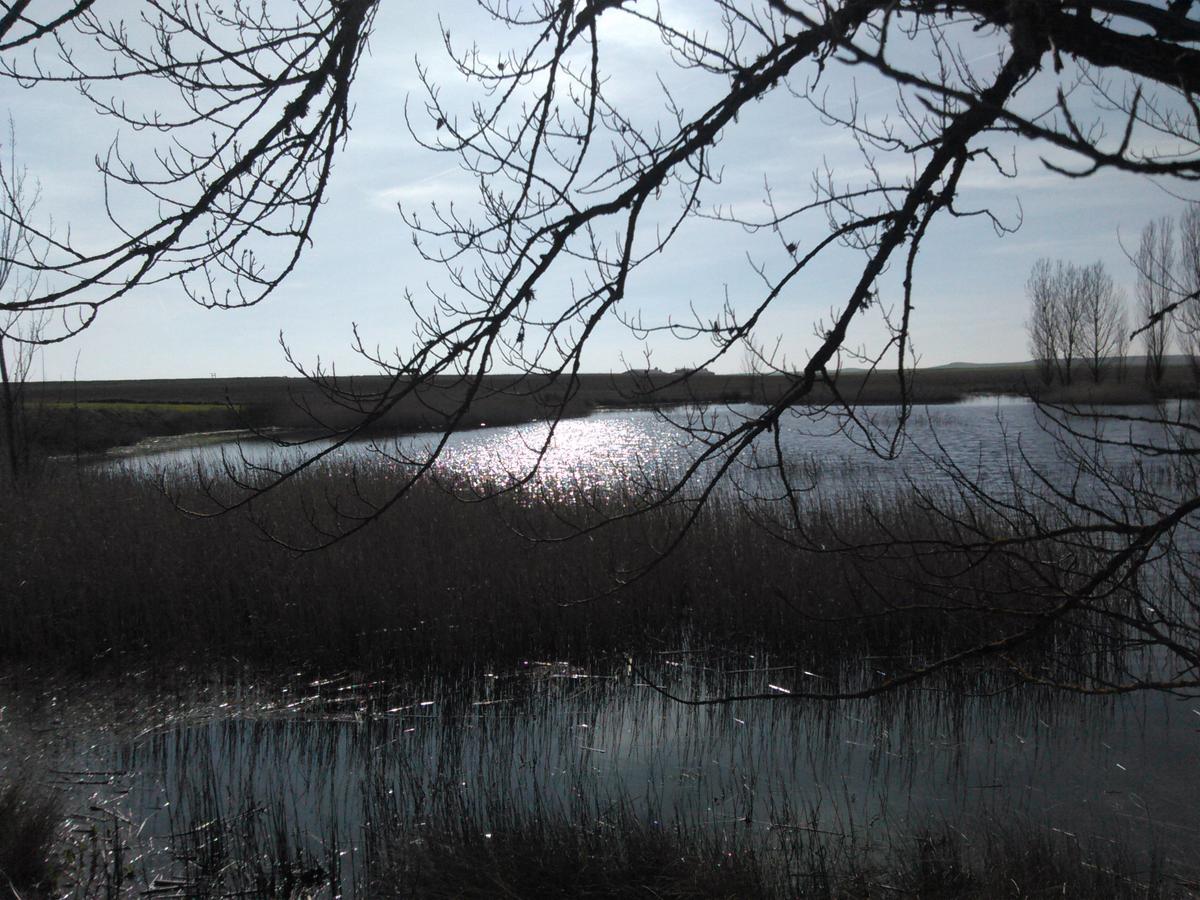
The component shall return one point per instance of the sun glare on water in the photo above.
(602, 451)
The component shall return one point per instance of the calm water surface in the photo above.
(333, 762)
(984, 436)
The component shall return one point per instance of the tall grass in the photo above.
(100, 567)
(531, 854)
(634, 861)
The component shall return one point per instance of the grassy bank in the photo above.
(62, 428)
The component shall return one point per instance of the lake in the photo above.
(985, 437)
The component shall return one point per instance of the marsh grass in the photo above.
(623, 856)
(261, 852)
(626, 859)
(103, 570)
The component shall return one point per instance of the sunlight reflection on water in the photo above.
(601, 451)
(614, 449)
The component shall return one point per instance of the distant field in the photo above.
(137, 406)
(90, 416)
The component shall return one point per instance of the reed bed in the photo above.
(103, 571)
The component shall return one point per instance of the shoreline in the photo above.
(116, 418)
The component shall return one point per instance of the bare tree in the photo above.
(1103, 320)
(255, 108)
(1076, 316)
(1042, 328)
(1156, 291)
(578, 188)
(1187, 320)
(1069, 322)
(21, 330)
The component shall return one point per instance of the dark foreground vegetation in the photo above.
(108, 589)
(104, 572)
(30, 819)
(537, 857)
(65, 418)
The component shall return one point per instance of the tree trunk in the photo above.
(9, 400)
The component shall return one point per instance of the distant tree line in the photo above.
(1168, 289)
(1077, 320)
(1077, 325)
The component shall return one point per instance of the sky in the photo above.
(970, 301)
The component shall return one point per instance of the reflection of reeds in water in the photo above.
(444, 787)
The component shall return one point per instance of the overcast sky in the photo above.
(970, 283)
